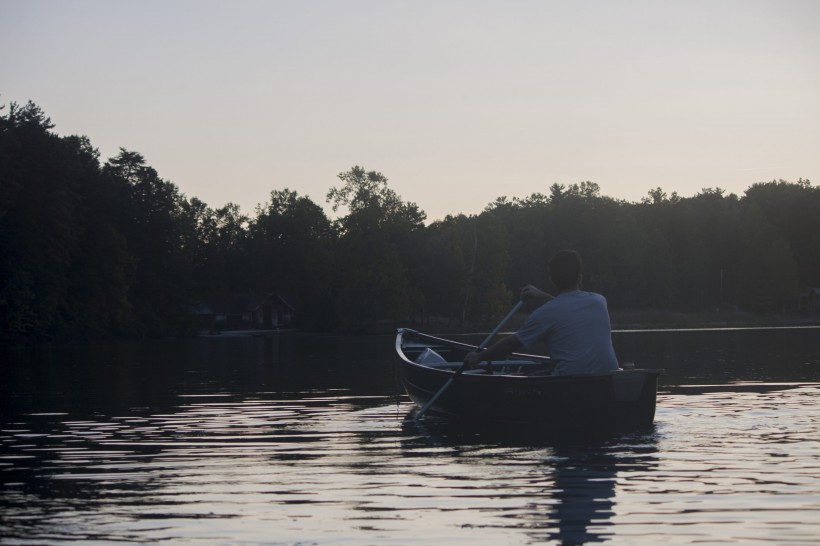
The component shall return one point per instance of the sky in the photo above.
(456, 102)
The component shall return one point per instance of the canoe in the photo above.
(521, 389)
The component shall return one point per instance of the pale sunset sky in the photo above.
(456, 102)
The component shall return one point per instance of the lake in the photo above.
(298, 439)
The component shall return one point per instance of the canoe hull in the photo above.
(620, 400)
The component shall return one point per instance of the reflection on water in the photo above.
(563, 485)
(272, 442)
(585, 487)
(335, 468)
(323, 465)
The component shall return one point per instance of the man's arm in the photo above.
(499, 350)
(534, 298)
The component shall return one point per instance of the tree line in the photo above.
(110, 249)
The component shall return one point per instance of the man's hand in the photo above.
(473, 359)
(531, 292)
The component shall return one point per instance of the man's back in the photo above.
(577, 329)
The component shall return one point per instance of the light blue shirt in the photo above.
(576, 327)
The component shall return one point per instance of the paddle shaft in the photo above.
(463, 367)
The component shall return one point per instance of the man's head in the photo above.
(565, 270)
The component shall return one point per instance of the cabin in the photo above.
(245, 311)
(809, 302)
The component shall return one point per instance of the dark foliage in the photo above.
(106, 250)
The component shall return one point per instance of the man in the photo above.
(575, 324)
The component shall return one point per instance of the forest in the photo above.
(92, 249)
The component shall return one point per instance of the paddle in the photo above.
(463, 367)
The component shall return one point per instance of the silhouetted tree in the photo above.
(372, 282)
(291, 241)
(162, 289)
(115, 250)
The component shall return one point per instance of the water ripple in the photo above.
(721, 465)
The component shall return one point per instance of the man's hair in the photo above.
(565, 269)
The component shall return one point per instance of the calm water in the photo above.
(306, 440)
